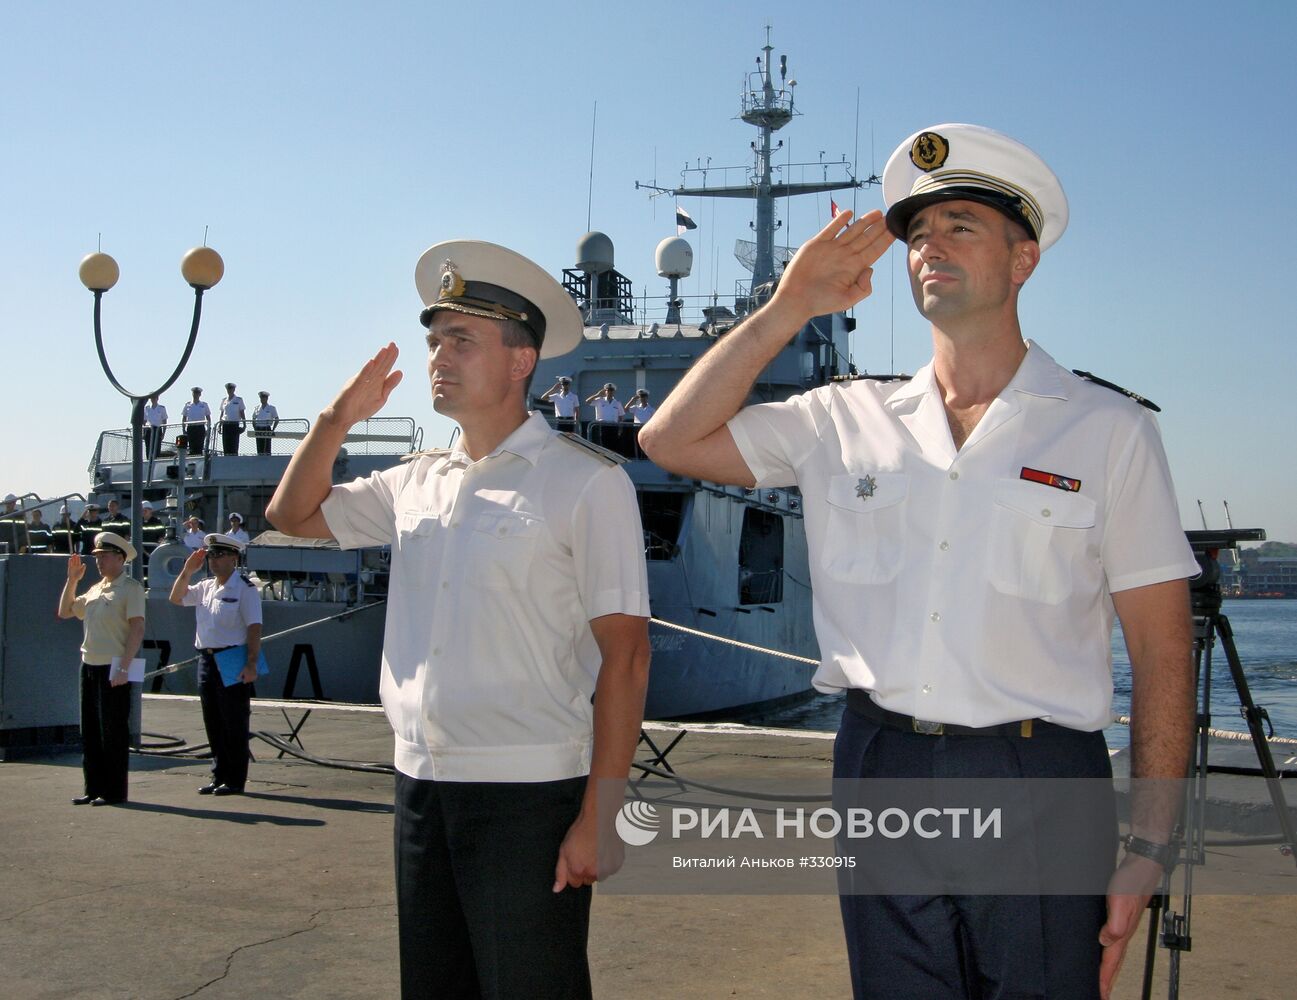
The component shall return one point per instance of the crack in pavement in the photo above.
(229, 959)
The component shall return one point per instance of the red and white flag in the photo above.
(833, 209)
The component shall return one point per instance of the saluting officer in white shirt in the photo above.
(228, 615)
(518, 592)
(233, 418)
(565, 402)
(265, 418)
(971, 533)
(197, 418)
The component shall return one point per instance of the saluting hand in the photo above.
(366, 392)
(833, 270)
(76, 568)
(195, 561)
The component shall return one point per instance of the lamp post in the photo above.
(202, 268)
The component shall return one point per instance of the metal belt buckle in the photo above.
(929, 728)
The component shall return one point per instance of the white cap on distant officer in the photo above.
(483, 279)
(219, 541)
(106, 541)
(955, 162)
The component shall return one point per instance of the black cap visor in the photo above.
(900, 214)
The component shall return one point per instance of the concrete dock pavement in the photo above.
(287, 891)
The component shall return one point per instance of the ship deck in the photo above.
(287, 891)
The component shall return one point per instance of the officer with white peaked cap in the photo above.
(517, 594)
(227, 617)
(972, 532)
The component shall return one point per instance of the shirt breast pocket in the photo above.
(1040, 542)
(501, 547)
(414, 544)
(864, 540)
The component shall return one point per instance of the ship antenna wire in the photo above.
(589, 198)
(855, 166)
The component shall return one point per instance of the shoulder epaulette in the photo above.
(429, 452)
(243, 574)
(860, 376)
(598, 451)
(1116, 388)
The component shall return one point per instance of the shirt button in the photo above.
(954, 474)
(1044, 512)
(927, 689)
(501, 530)
(943, 546)
(437, 651)
(445, 584)
(935, 616)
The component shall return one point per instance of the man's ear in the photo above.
(524, 362)
(1026, 255)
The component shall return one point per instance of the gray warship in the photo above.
(729, 581)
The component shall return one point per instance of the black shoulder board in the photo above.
(1116, 388)
(598, 451)
(244, 574)
(858, 376)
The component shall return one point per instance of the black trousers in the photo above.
(225, 718)
(474, 879)
(952, 947)
(105, 733)
(230, 437)
(196, 435)
(153, 440)
(263, 435)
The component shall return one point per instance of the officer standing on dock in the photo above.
(971, 533)
(228, 614)
(197, 418)
(233, 420)
(518, 591)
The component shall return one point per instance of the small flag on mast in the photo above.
(684, 222)
(833, 209)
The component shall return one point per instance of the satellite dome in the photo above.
(675, 258)
(594, 253)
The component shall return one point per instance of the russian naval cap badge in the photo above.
(866, 487)
(929, 151)
(452, 285)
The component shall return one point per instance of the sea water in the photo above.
(1265, 634)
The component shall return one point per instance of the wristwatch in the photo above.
(1163, 854)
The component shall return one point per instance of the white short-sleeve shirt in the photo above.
(565, 405)
(608, 410)
(196, 413)
(498, 567)
(961, 586)
(223, 612)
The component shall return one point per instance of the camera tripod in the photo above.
(1189, 839)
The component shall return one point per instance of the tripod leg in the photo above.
(1150, 947)
(1253, 716)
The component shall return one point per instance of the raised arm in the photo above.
(830, 272)
(295, 507)
(180, 586)
(76, 570)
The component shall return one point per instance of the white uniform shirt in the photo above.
(223, 613)
(565, 405)
(195, 539)
(498, 566)
(264, 415)
(232, 409)
(607, 409)
(196, 413)
(947, 584)
(155, 416)
(239, 535)
(642, 413)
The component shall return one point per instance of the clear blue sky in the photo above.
(326, 145)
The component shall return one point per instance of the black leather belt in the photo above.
(212, 651)
(860, 703)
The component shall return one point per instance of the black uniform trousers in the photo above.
(105, 733)
(225, 718)
(263, 436)
(196, 435)
(953, 947)
(474, 878)
(230, 437)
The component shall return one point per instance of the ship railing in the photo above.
(376, 436)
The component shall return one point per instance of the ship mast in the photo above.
(768, 110)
